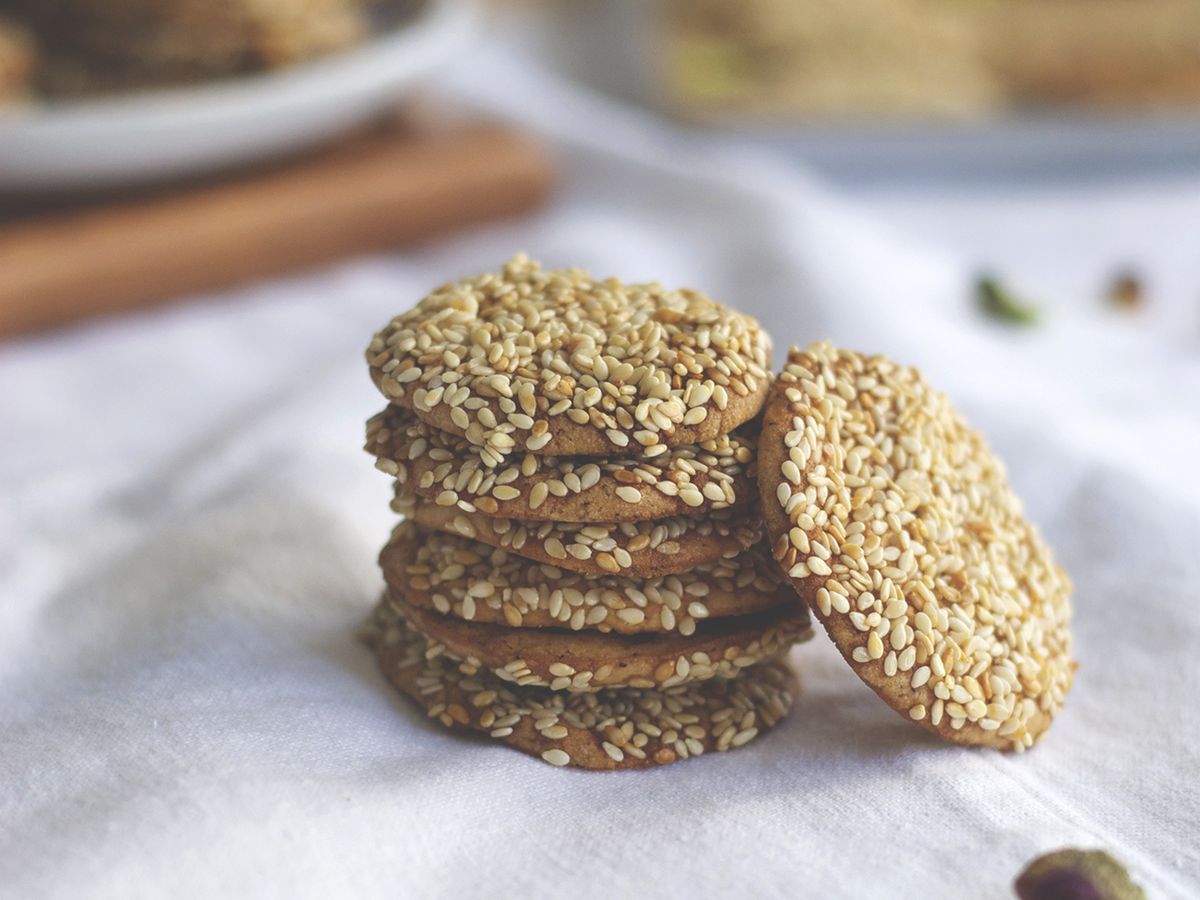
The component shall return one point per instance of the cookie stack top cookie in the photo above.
(559, 363)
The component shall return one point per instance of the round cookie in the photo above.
(458, 577)
(897, 525)
(605, 730)
(450, 471)
(590, 661)
(560, 363)
(640, 549)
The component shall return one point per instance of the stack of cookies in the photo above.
(580, 571)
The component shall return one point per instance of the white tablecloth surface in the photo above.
(187, 541)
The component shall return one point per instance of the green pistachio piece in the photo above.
(999, 303)
(1073, 874)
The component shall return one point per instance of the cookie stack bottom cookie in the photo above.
(611, 729)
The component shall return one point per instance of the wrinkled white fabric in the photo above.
(187, 541)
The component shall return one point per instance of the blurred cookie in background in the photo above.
(18, 61)
(762, 59)
(1104, 54)
(778, 61)
(100, 46)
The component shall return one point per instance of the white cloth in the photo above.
(187, 541)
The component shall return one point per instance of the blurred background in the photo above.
(1054, 144)
(1051, 144)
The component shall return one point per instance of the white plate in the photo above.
(168, 133)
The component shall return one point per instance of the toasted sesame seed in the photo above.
(744, 737)
(556, 756)
(629, 494)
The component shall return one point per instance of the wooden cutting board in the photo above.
(376, 191)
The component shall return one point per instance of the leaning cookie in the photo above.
(451, 472)
(590, 661)
(897, 526)
(560, 363)
(630, 729)
(640, 549)
(458, 577)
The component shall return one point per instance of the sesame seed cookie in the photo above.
(560, 363)
(459, 577)
(589, 661)
(452, 472)
(605, 730)
(641, 549)
(897, 526)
